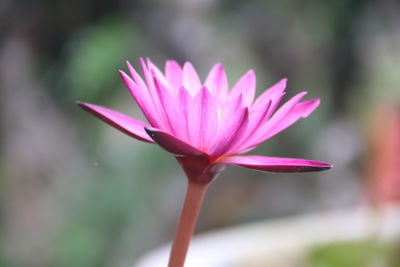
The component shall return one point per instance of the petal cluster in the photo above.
(206, 123)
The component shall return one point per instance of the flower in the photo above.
(206, 125)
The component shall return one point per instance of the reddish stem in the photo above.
(190, 211)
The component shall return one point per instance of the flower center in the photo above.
(219, 111)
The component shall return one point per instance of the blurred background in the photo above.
(76, 192)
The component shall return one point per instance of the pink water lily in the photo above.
(207, 126)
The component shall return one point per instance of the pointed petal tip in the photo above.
(277, 165)
(313, 104)
(219, 67)
(149, 62)
(120, 121)
(142, 62)
(306, 108)
(251, 73)
(327, 166)
(322, 166)
(187, 64)
(303, 93)
(172, 144)
(284, 82)
(83, 105)
(122, 73)
(171, 61)
(125, 78)
(128, 64)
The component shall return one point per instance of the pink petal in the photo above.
(173, 73)
(217, 81)
(148, 74)
(185, 104)
(122, 122)
(142, 98)
(152, 91)
(154, 95)
(285, 109)
(231, 132)
(274, 164)
(175, 117)
(255, 120)
(274, 104)
(301, 110)
(245, 86)
(190, 79)
(155, 71)
(202, 120)
(136, 77)
(172, 144)
(227, 111)
(262, 133)
(273, 93)
(168, 105)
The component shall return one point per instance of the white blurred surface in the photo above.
(280, 241)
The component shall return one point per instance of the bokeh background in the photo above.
(76, 192)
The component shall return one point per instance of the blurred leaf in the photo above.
(350, 254)
(80, 246)
(95, 56)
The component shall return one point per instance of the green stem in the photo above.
(190, 211)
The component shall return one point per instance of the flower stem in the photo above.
(190, 211)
